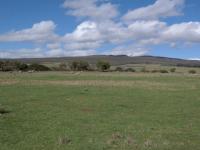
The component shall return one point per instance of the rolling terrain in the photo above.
(117, 60)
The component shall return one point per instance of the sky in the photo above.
(58, 28)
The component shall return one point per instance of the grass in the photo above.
(102, 111)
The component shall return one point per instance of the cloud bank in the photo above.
(132, 33)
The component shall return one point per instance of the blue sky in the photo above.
(54, 28)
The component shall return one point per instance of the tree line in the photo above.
(19, 66)
(103, 66)
(6, 66)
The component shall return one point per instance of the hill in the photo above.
(117, 60)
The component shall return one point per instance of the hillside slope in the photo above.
(117, 60)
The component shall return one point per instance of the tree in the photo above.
(172, 70)
(120, 69)
(38, 67)
(74, 66)
(22, 66)
(80, 66)
(103, 65)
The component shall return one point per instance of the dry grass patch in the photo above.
(64, 140)
(120, 141)
(8, 81)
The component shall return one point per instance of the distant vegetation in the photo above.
(173, 70)
(18, 66)
(81, 65)
(103, 65)
(192, 71)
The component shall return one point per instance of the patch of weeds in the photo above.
(64, 140)
(84, 91)
(118, 140)
(3, 111)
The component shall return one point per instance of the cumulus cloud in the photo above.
(130, 50)
(22, 53)
(183, 32)
(133, 34)
(39, 32)
(90, 9)
(86, 31)
(160, 9)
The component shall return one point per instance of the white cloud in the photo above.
(40, 32)
(91, 9)
(160, 9)
(86, 31)
(130, 50)
(198, 59)
(100, 26)
(183, 32)
(22, 53)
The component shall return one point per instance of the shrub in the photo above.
(163, 71)
(3, 111)
(103, 65)
(192, 71)
(130, 70)
(80, 66)
(38, 67)
(155, 71)
(74, 66)
(119, 69)
(83, 66)
(172, 70)
(22, 66)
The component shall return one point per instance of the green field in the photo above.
(99, 111)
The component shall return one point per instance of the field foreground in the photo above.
(99, 111)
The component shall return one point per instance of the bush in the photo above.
(80, 66)
(22, 66)
(103, 65)
(38, 67)
(130, 70)
(172, 70)
(3, 111)
(164, 71)
(119, 69)
(155, 71)
(192, 71)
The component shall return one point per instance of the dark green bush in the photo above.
(172, 70)
(3, 111)
(155, 71)
(38, 67)
(103, 65)
(130, 70)
(120, 69)
(192, 71)
(163, 71)
(22, 66)
(80, 66)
